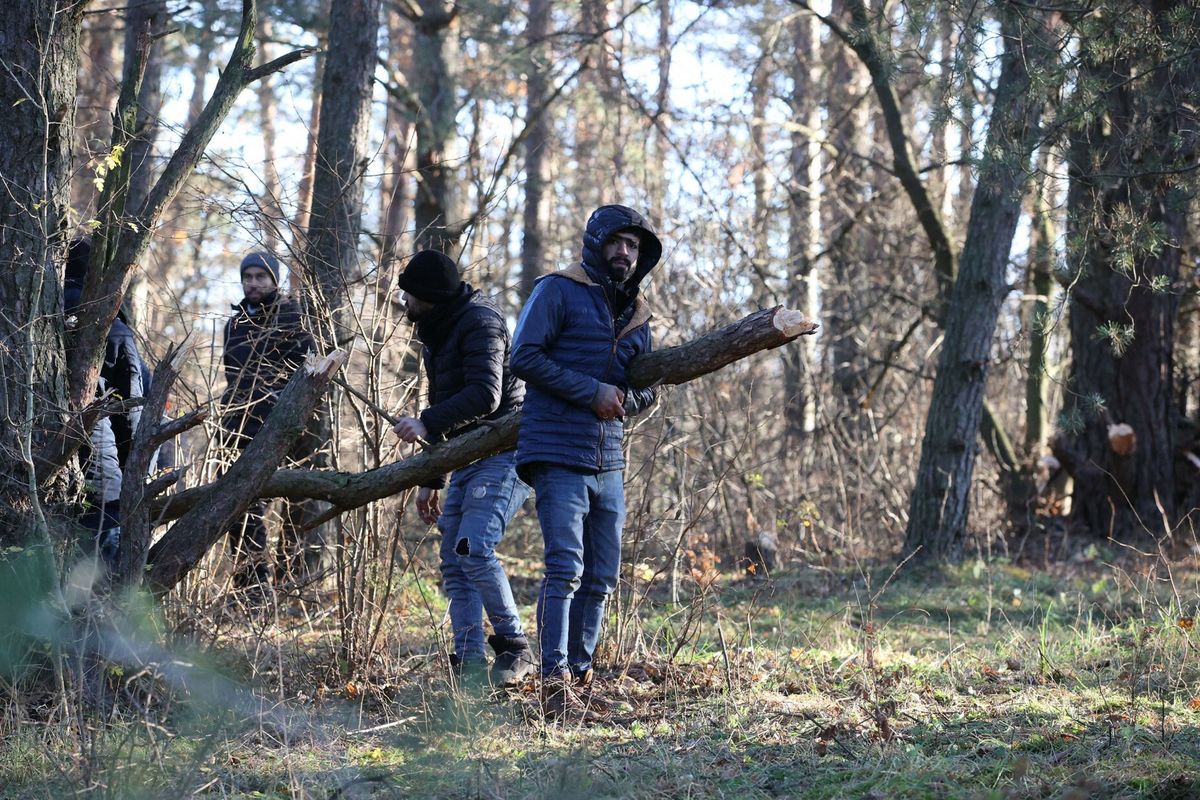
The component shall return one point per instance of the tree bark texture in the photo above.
(173, 556)
(151, 433)
(537, 178)
(1037, 322)
(435, 79)
(331, 258)
(762, 330)
(938, 508)
(1128, 204)
(271, 204)
(804, 223)
(396, 196)
(40, 43)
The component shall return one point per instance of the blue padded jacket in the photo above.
(566, 344)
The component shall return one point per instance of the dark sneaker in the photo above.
(561, 701)
(514, 660)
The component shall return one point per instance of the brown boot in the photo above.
(561, 701)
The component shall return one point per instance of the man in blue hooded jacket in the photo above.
(577, 334)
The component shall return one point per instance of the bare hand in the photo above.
(609, 402)
(410, 429)
(429, 507)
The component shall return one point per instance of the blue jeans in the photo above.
(479, 503)
(581, 516)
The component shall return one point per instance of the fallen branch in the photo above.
(762, 330)
(203, 525)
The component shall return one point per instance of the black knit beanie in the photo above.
(262, 259)
(431, 276)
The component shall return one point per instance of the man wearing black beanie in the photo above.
(265, 342)
(465, 351)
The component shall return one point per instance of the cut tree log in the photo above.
(226, 499)
(762, 330)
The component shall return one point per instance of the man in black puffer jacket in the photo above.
(265, 343)
(465, 354)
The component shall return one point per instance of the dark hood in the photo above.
(604, 222)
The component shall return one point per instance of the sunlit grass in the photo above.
(986, 680)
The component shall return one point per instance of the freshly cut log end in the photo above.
(790, 323)
(324, 366)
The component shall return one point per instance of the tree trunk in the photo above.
(1127, 219)
(937, 523)
(804, 224)
(435, 78)
(143, 19)
(40, 42)
(97, 90)
(1038, 324)
(304, 192)
(656, 182)
(270, 206)
(331, 257)
(537, 143)
(842, 200)
(397, 194)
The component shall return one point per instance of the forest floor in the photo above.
(989, 680)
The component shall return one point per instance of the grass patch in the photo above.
(988, 681)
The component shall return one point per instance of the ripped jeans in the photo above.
(479, 503)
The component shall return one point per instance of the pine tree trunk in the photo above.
(270, 204)
(397, 193)
(1127, 219)
(435, 77)
(537, 179)
(331, 258)
(40, 42)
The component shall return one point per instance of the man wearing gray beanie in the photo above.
(265, 343)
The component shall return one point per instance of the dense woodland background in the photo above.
(989, 207)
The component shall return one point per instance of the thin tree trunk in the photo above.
(397, 194)
(435, 78)
(143, 19)
(270, 206)
(97, 91)
(804, 223)
(847, 118)
(537, 180)
(1038, 323)
(661, 123)
(304, 192)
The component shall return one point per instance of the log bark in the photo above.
(172, 557)
(762, 330)
(136, 523)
